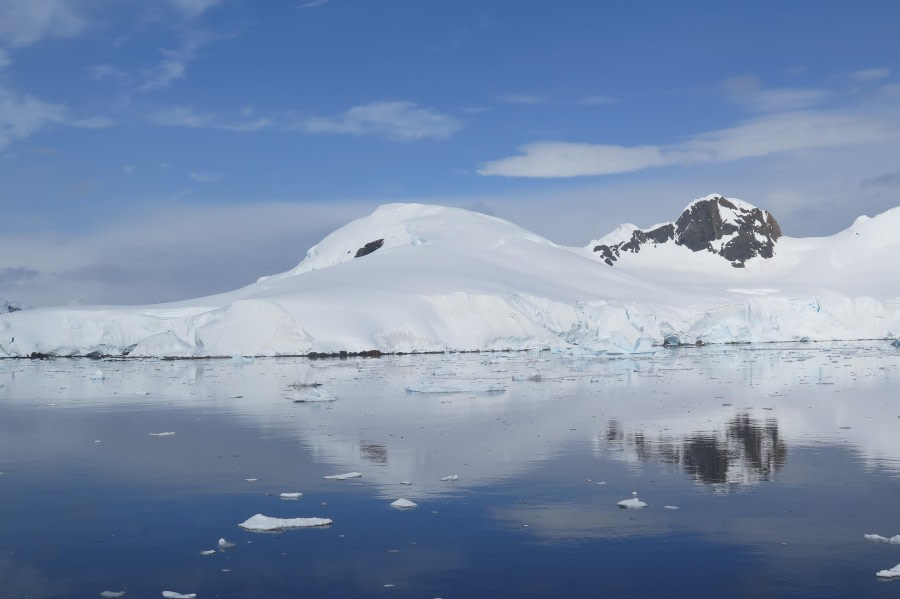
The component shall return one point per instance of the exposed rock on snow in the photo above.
(267, 523)
(369, 248)
(7, 306)
(733, 229)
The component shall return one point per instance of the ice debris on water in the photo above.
(632, 503)
(112, 594)
(404, 503)
(97, 375)
(174, 595)
(260, 522)
(894, 540)
(167, 434)
(208, 552)
(344, 476)
(290, 496)
(432, 387)
(312, 396)
(671, 507)
(451, 477)
(223, 544)
(892, 573)
(406, 482)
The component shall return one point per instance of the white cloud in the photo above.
(399, 121)
(184, 116)
(871, 74)
(25, 22)
(94, 122)
(312, 4)
(597, 101)
(193, 8)
(520, 99)
(4, 59)
(763, 136)
(204, 177)
(21, 116)
(749, 93)
(175, 63)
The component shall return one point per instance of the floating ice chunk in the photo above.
(404, 503)
(313, 395)
(168, 434)
(251, 480)
(405, 482)
(97, 375)
(291, 496)
(344, 476)
(239, 360)
(223, 544)
(632, 503)
(894, 540)
(208, 552)
(174, 595)
(451, 477)
(266, 523)
(892, 573)
(112, 594)
(432, 387)
(671, 507)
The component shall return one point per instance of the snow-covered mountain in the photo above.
(413, 278)
(7, 306)
(735, 230)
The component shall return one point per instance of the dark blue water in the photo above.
(779, 460)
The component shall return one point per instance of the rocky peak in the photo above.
(735, 230)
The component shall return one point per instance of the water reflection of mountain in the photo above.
(748, 451)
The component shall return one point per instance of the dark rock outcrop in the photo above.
(369, 248)
(735, 232)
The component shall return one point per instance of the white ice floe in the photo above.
(167, 434)
(208, 552)
(260, 522)
(451, 477)
(97, 375)
(406, 482)
(632, 503)
(671, 507)
(174, 595)
(312, 396)
(223, 544)
(112, 594)
(432, 387)
(892, 573)
(894, 540)
(290, 496)
(404, 503)
(344, 476)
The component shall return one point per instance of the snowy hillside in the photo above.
(412, 278)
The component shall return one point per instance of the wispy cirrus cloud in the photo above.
(520, 99)
(763, 136)
(876, 74)
(193, 8)
(748, 91)
(204, 177)
(312, 4)
(25, 22)
(397, 121)
(174, 63)
(185, 116)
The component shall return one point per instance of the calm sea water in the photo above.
(779, 458)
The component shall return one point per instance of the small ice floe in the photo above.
(168, 434)
(223, 544)
(290, 496)
(894, 540)
(208, 552)
(97, 375)
(236, 397)
(451, 477)
(632, 503)
(432, 387)
(112, 594)
(251, 480)
(671, 507)
(266, 523)
(892, 573)
(344, 476)
(403, 503)
(239, 360)
(312, 396)
(174, 595)
(406, 482)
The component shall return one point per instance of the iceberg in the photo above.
(632, 503)
(344, 476)
(892, 573)
(263, 523)
(404, 503)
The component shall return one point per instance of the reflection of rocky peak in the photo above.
(735, 230)
(748, 451)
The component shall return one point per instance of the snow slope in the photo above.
(446, 279)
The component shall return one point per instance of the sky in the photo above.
(167, 149)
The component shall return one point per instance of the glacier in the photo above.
(443, 279)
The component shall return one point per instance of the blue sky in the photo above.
(158, 150)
